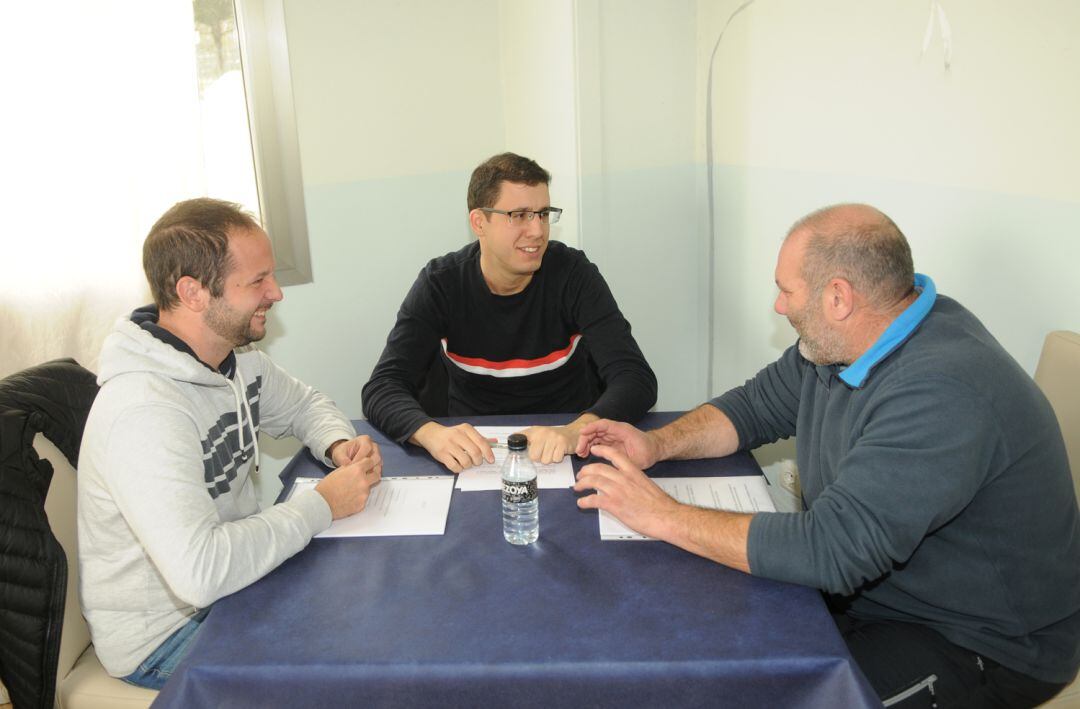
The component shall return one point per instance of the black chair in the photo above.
(53, 399)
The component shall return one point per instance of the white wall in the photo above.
(538, 80)
(823, 102)
(642, 214)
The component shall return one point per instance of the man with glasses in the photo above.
(516, 324)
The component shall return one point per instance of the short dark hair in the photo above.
(868, 250)
(192, 239)
(488, 177)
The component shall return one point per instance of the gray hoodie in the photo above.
(168, 517)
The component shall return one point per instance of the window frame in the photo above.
(275, 147)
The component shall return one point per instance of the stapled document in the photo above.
(397, 506)
(743, 493)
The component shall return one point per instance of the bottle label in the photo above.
(517, 492)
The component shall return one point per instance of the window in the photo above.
(107, 132)
(250, 149)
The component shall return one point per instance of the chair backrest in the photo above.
(52, 398)
(60, 509)
(1058, 375)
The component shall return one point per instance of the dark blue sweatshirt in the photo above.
(936, 485)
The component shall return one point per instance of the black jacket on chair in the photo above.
(52, 398)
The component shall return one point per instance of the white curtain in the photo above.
(99, 134)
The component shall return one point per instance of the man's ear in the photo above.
(192, 294)
(477, 222)
(839, 299)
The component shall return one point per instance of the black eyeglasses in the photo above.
(520, 217)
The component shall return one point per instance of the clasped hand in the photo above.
(346, 488)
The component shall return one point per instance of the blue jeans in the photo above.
(156, 669)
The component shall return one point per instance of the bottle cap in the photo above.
(517, 442)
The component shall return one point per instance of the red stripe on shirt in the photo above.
(515, 363)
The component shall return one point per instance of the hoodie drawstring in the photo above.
(242, 405)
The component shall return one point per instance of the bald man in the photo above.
(939, 515)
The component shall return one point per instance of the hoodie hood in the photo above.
(138, 344)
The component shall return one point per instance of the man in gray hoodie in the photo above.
(940, 512)
(168, 517)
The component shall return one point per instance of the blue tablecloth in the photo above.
(467, 620)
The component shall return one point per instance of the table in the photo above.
(468, 620)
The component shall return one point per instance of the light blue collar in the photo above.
(895, 335)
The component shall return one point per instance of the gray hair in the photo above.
(863, 246)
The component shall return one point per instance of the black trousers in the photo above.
(911, 665)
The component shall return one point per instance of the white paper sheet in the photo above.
(744, 493)
(398, 506)
(487, 476)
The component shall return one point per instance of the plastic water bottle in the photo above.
(520, 508)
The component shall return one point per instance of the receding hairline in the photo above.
(858, 243)
(838, 218)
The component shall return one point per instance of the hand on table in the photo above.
(343, 452)
(346, 488)
(625, 491)
(549, 444)
(638, 447)
(457, 447)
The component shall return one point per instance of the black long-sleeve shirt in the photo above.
(560, 345)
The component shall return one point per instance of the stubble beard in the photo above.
(817, 342)
(230, 325)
